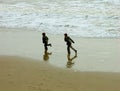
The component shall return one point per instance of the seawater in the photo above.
(81, 18)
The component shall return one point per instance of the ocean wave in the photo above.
(78, 18)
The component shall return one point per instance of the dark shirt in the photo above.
(68, 40)
(45, 39)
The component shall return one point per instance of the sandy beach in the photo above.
(23, 68)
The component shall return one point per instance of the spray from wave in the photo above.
(82, 18)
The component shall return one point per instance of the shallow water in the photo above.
(81, 18)
(94, 54)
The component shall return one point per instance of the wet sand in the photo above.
(94, 54)
(22, 67)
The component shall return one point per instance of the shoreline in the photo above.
(35, 30)
(100, 55)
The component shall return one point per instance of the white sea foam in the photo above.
(82, 18)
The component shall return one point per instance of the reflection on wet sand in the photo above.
(46, 55)
(70, 61)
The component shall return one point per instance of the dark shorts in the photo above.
(69, 44)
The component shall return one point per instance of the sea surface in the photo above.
(80, 18)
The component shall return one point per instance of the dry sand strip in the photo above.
(25, 74)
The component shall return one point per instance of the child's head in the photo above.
(43, 34)
(65, 34)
